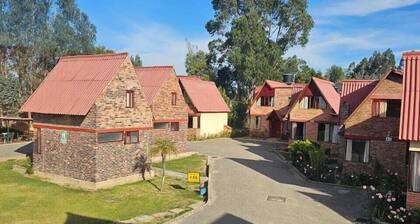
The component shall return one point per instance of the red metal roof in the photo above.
(74, 84)
(410, 107)
(204, 95)
(151, 79)
(353, 92)
(328, 92)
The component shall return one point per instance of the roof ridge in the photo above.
(359, 80)
(93, 56)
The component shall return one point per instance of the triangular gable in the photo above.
(152, 78)
(373, 91)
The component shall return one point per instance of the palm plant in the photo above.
(163, 147)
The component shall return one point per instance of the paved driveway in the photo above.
(15, 150)
(246, 173)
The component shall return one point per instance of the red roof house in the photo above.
(410, 124)
(169, 110)
(208, 111)
(92, 121)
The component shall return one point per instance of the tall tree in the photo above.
(196, 62)
(251, 38)
(300, 69)
(136, 61)
(335, 74)
(374, 67)
(103, 50)
(35, 33)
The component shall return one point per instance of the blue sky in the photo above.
(344, 31)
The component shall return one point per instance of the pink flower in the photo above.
(388, 200)
(393, 199)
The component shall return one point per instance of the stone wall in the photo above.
(110, 110)
(179, 137)
(76, 159)
(263, 131)
(117, 159)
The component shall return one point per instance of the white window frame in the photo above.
(257, 122)
(349, 149)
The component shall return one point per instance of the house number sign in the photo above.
(63, 137)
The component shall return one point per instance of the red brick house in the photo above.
(370, 113)
(410, 124)
(207, 110)
(169, 110)
(93, 121)
(313, 114)
(269, 106)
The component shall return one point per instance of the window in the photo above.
(190, 121)
(414, 179)
(173, 99)
(298, 130)
(160, 125)
(174, 126)
(38, 141)
(129, 99)
(357, 151)
(316, 102)
(323, 132)
(266, 101)
(257, 122)
(110, 137)
(386, 108)
(131, 137)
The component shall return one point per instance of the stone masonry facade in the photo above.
(81, 156)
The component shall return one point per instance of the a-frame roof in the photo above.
(152, 78)
(74, 84)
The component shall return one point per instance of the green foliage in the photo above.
(10, 98)
(251, 38)
(196, 62)
(136, 61)
(223, 134)
(298, 67)
(374, 67)
(193, 163)
(163, 147)
(103, 50)
(335, 74)
(35, 33)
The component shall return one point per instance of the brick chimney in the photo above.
(410, 107)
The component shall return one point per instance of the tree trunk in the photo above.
(162, 181)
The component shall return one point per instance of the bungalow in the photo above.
(410, 124)
(207, 110)
(269, 104)
(169, 110)
(313, 114)
(370, 113)
(93, 121)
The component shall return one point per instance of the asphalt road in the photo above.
(251, 185)
(15, 150)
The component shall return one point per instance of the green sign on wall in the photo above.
(63, 137)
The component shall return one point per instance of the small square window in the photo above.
(160, 125)
(173, 99)
(175, 126)
(110, 137)
(129, 99)
(131, 137)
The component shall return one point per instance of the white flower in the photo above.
(396, 174)
(364, 187)
(393, 212)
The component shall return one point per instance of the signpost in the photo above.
(193, 177)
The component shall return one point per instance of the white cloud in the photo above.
(362, 7)
(158, 44)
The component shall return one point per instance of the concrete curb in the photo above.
(200, 205)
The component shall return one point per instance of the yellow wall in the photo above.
(212, 123)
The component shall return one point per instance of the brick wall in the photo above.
(58, 119)
(281, 97)
(75, 159)
(391, 156)
(413, 199)
(179, 137)
(110, 110)
(116, 159)
(263, 131)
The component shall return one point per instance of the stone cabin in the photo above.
(269, 106)
(410, 124)
(93, 121)
(313, 114)
(207, 110)
(370, 114)
(169, 110)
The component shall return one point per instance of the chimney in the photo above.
(410, 103)
(288, 79)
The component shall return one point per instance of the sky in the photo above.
(344, 31)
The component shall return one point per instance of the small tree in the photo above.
(163, 147)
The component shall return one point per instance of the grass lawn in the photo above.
(195, 162)
(29, 200)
